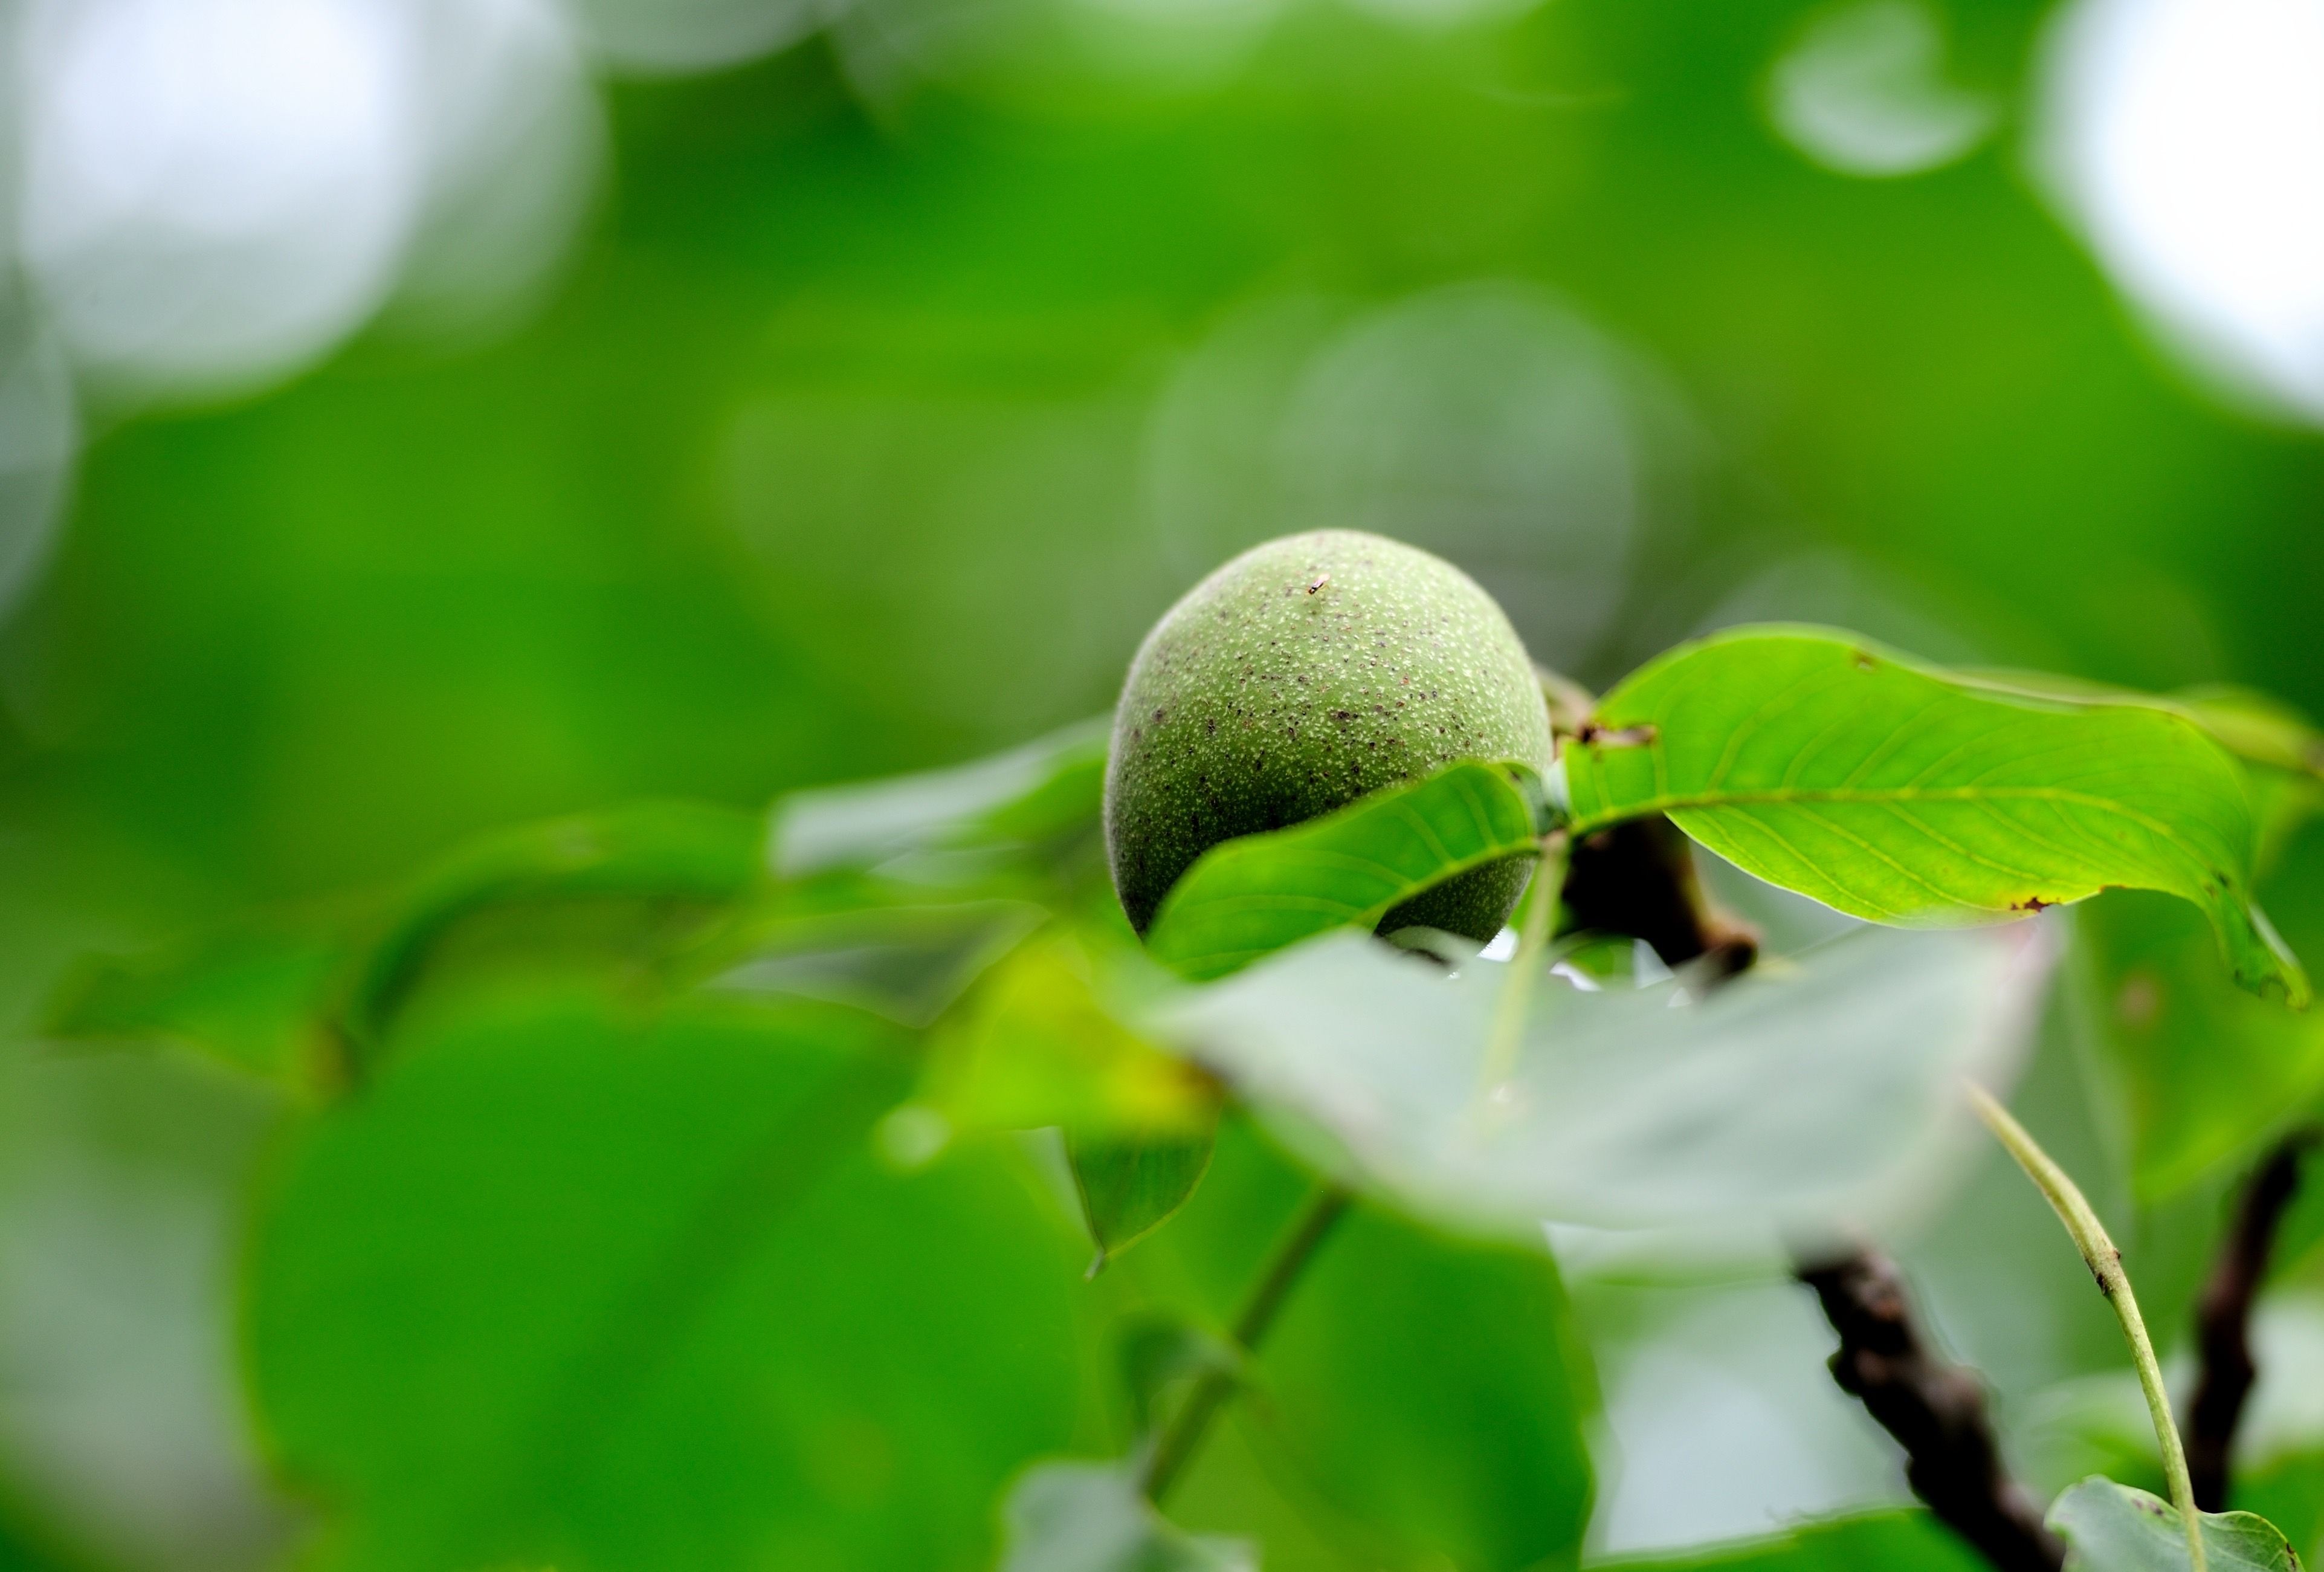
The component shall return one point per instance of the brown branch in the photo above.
(1935, 1410)
(2223, 1319)
(1638, 878)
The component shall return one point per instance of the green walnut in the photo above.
(1300, 676)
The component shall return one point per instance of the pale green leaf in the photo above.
(1257, 894)
(1089, 1517)
(1800, 1097)
(2113, 1527)
(1823, 764)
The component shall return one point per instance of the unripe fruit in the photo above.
(1300, 676)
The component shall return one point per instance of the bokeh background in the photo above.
(418, 416)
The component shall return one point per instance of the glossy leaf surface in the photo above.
(1821, 763)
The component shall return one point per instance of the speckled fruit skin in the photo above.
(1302, 675)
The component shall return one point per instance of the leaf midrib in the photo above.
(1670, 801)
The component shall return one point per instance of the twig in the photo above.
(2223, 1319)
(2104, 1263)
(1175, 1446)
(1638, 878)
(1935, 1410)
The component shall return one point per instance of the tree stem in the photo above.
(1935, 1410)
(2223, 1319)
(2105, 1262)
(1177, 1445)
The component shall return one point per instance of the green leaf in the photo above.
(1045, 791)
(1821, 763)
(1419, 1400)
(663, 854)
(1260, 893)
(2283, 751)
(1089, 1517)
(2256, 726)
(1158, 1353)
(2286, 1490)
(1131, 1186)
(2250, 725)
(1796, 1097)
(249, 997)
(1427, 1388)
(1038, 1044)
(1888, 1541)
(2204, 1072)
(2113, 1527)
(562, 1289)
(909, 963)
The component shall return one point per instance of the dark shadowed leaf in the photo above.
(1252, 896)
(2113, 1527)
(1089, 1517)
(1156, 1353)
(559, 1289)
(1131, 1185)
(1802, 1096)
(252, 998)
(1823, 764)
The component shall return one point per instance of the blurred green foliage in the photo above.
(833, 456)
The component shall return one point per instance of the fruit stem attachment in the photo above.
(1175, 1448)
(1536, 925)
(2105, 1262)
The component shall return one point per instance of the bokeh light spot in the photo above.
(2187, 136)
(1863, 92)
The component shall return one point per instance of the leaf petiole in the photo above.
(2105, 1262)
(1538, 923)
(1175, 1448)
